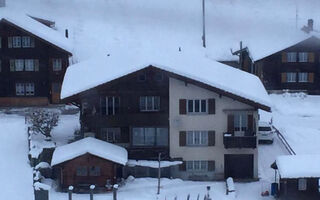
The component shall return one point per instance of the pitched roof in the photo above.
(299, 166)
(33, 27)
(194, 66)
(92, 146)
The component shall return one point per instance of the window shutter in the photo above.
(230, 123)
(9, 42)
(182, 167)
(182, 138)
(211, 138)
(310, 77)
(212, 106)
(12, 65)
(283, 77)
(211, 165)
(36, 65)
(32, 44)
(311, 57)
(284, 57)
(183, 106)
(250, 123)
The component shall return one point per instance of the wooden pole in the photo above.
(159, 173)
(203, 24)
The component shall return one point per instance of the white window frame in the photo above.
(26, 41)
(291, 56)
(16, 42)
(197, 165)
(29, 89)
(113, 105)
(194, 106)
(57, 64)
(20, 89)
(303, 57)
(302, 184)
(111, 132)
(291, 77)
(18, 65)
(29, 65)
(153, 106)
(303, 77)
(192, 136)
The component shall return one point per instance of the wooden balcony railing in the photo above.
(247, 141)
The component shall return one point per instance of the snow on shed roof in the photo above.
(299, 166)
(92, 146)
(192, 65)
(38, 29)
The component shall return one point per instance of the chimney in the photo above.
(67, 32)
(310, 24)
(2, 3)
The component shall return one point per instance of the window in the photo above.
(82, 171)
(197, 106)
(197, 138)
(19, 65)
(111, 134)
(240, 122)
(94, 171)
(109, 105)
(302, 184)
(29, 89)
(142, 76)
(149, 136)
(303, 77)
(149, 103)
(16, 42)
(291, 77)
(27, 42)
(197, 165)
(291, 57)
(29, 64)
(303, 56)
(20, 89)
(57, 64)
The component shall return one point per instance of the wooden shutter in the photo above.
(183, 167)
(32, 44)
(9, 42)
(212, 106)
(284, 57)
(182, 138)
(12, 65)
(311, 57)
(230, 123)
(250, 123)
(310, 77)
(183, 106)
(211, 138)
(36, 65)
(211, 165)
(283, 77)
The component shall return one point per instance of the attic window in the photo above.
(303, 56)
(291, 57)
(27, 42)
(142, 76)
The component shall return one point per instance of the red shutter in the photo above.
(183, 106)
(310, 77)
(284, 57)
(211, 138)
(211, 165)
(182, 138)
(283, 77)
(230, 123)
(182, 167)
(212, 106)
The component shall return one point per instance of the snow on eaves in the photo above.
(299, 166)
(28, 24)
(191, 64)
(92, 146)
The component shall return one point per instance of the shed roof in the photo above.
(92, 146)
(299, 166)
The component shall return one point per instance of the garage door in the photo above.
(238, 166)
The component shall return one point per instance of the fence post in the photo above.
(115, 189)
(70, 192)
(91, 191)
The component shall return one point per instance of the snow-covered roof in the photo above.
(92, 146)
(36, 28)
(193, 65)
(299, 166)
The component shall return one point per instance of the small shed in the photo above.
(88, 161)
(299, 176)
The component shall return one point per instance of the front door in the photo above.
(238, 166)
(55, 93)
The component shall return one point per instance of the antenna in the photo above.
(204, 23)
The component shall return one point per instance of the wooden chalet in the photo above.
(88, 162)
(33, 61)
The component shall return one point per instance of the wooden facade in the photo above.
(304, 69)
(289, 189)
(86, 170)
(46, 83)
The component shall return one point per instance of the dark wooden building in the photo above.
(33, 61)
(88, 162)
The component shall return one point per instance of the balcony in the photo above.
(246, 141)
